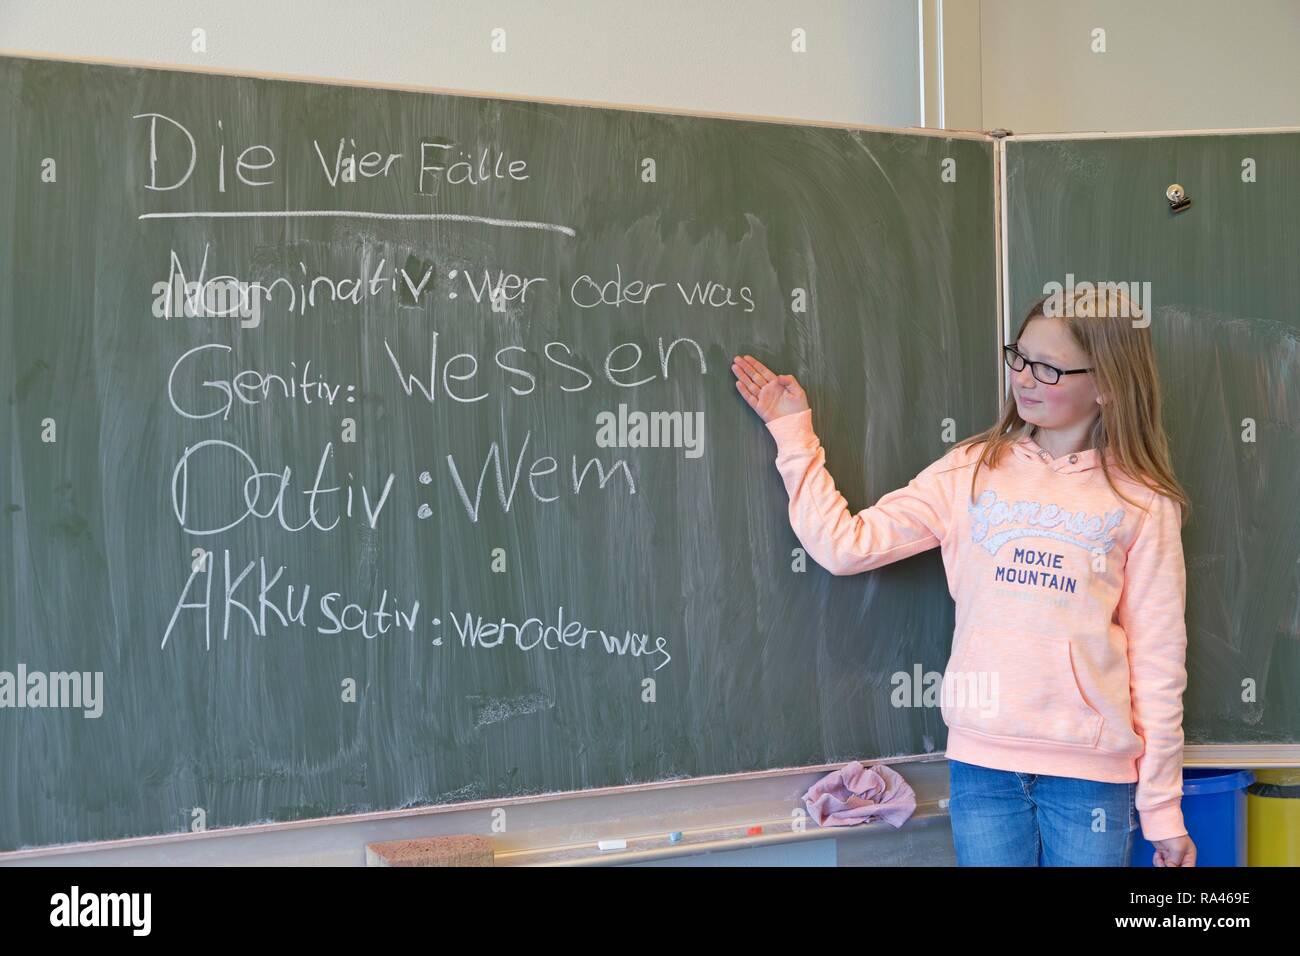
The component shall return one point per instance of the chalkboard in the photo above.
(1220, 286)
(435, 345)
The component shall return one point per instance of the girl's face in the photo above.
(1073, 399)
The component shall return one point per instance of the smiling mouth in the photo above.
(1031, 401)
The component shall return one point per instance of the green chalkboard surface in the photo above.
(381, 533)
(1220, 284)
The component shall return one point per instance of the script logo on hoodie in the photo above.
(1038, 520)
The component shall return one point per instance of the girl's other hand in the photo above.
(772, 396)
(1176, 851)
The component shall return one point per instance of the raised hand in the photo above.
(768, 394)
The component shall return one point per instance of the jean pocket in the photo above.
(1020, 687)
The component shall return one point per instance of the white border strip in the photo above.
(938, 40)
(920, 53)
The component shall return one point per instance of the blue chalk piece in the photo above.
(675, 836)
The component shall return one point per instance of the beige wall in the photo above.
(962, 67)
(1169, 64)
(711, 55)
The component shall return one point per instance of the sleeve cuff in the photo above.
(1162, 823)
(795, 427)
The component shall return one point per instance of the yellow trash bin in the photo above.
(1273, 812)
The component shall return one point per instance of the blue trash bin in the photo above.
(1214, 809)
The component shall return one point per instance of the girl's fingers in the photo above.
(763, 372)
(759, 373)
(746, 373)
(752, 400)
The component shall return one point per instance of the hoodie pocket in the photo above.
(1020, 687)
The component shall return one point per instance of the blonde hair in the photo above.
(1124, 369)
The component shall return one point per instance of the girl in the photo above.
(1060, 530)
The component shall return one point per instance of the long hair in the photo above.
(1124, 368)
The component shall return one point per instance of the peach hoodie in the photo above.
(1069, 653)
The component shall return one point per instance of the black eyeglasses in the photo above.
(1047, 374)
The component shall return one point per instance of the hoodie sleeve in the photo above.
(1152, 612)
(901, 524)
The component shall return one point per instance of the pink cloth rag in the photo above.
(857, 794)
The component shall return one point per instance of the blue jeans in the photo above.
(1006, 818)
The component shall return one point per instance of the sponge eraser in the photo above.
(464, 850)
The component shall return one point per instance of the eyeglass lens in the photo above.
(1045, 373)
